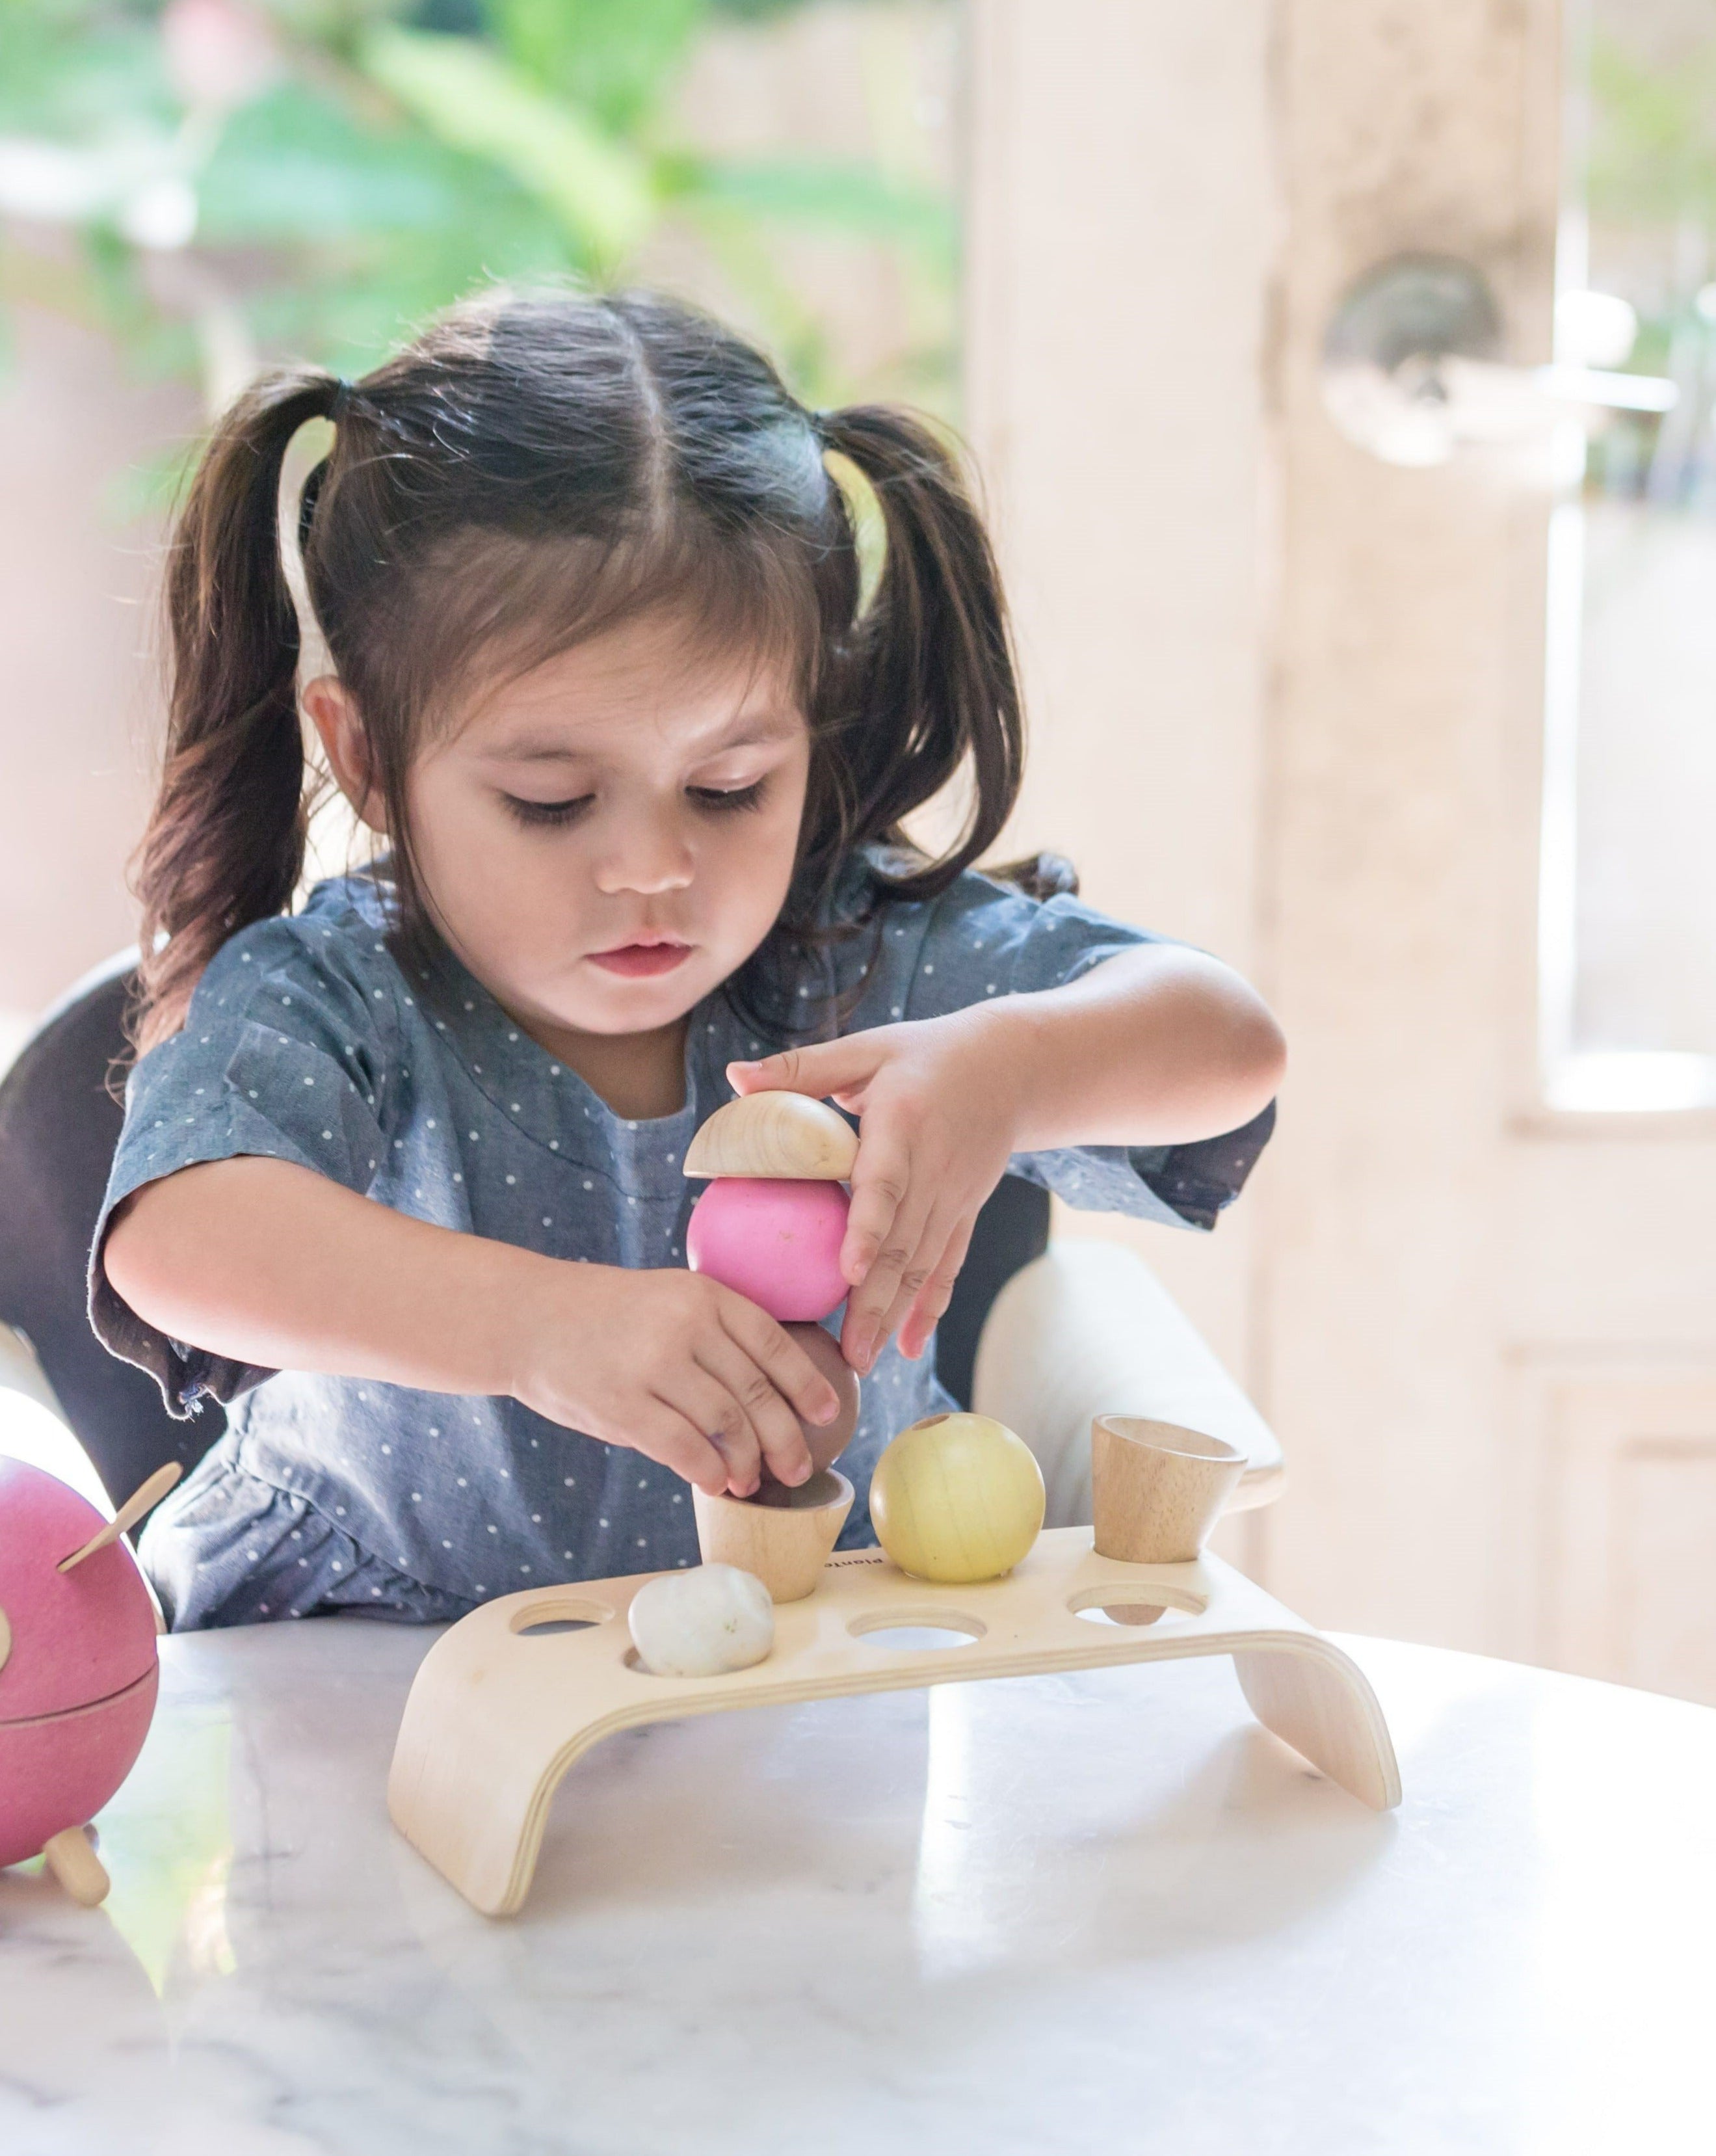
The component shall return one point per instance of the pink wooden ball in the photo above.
(77, 1663)
(774, 1241)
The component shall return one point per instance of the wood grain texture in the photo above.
(498, 1713)
(1158, 1488)
(788, 1135)
(785, 1541)
(1311, 1705)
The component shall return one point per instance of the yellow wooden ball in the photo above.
(957, 1497)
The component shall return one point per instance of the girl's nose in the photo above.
(644, 853)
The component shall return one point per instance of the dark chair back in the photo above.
(58, 1126)
(1011, 1229)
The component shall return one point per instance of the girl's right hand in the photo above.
(673, 1365)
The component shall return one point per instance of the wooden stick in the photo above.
(77, 1867)
(139, 1502)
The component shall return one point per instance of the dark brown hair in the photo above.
(532, 468)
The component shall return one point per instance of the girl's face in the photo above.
(606, 838)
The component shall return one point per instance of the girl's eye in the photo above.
(721, 799)
(536, 814)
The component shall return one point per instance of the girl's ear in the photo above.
(335, 716)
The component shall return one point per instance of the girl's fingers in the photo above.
(900, 1264)
(667, 1435)
(928, 1311)
(780, 1357)
(820, 1069)
(919, 1269)
(775, 1426)
(711, 1408)
(881, 1176)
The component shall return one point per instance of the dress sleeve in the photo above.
(284, 1053)
(981, 939)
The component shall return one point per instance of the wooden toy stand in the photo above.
(500, 1708)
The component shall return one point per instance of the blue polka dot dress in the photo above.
(305, 1041)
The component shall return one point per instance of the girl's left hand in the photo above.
(938, 1113)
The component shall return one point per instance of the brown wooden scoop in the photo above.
(827, 1440)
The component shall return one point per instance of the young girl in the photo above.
(400, 1176)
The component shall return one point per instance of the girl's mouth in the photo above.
(636, 961)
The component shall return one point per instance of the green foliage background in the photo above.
(380, 158)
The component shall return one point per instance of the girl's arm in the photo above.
(1159, 1045)
(271, 1264)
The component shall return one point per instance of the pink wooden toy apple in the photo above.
(77, 1667)
(776, 1241)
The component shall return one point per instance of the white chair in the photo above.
(32, 1425)
(1088, 1329)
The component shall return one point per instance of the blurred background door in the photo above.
(1426, 743)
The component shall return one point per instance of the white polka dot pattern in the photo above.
(420, 1094)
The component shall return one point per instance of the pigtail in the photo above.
(928, 679)
(225, 841)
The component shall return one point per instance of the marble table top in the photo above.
(1102, 1913)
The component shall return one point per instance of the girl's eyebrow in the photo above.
(755, 731)
(533, 752)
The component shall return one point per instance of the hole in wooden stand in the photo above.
(923, 1630)
(633, 1660)
(564, 1614)
(1146, 1604)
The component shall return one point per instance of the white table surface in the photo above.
(1102, 1913)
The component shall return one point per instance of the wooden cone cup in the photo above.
(1157, 1490)
(786, 1542)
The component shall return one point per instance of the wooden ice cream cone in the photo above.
(786, 1542)
(1157, 1490)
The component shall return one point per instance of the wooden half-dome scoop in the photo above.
(787, 1136)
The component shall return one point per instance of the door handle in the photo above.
(1410, 370)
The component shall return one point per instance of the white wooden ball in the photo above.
(702, 1624)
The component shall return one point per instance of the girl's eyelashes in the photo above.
(718, 800)
(534, 815)
(721, 798)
